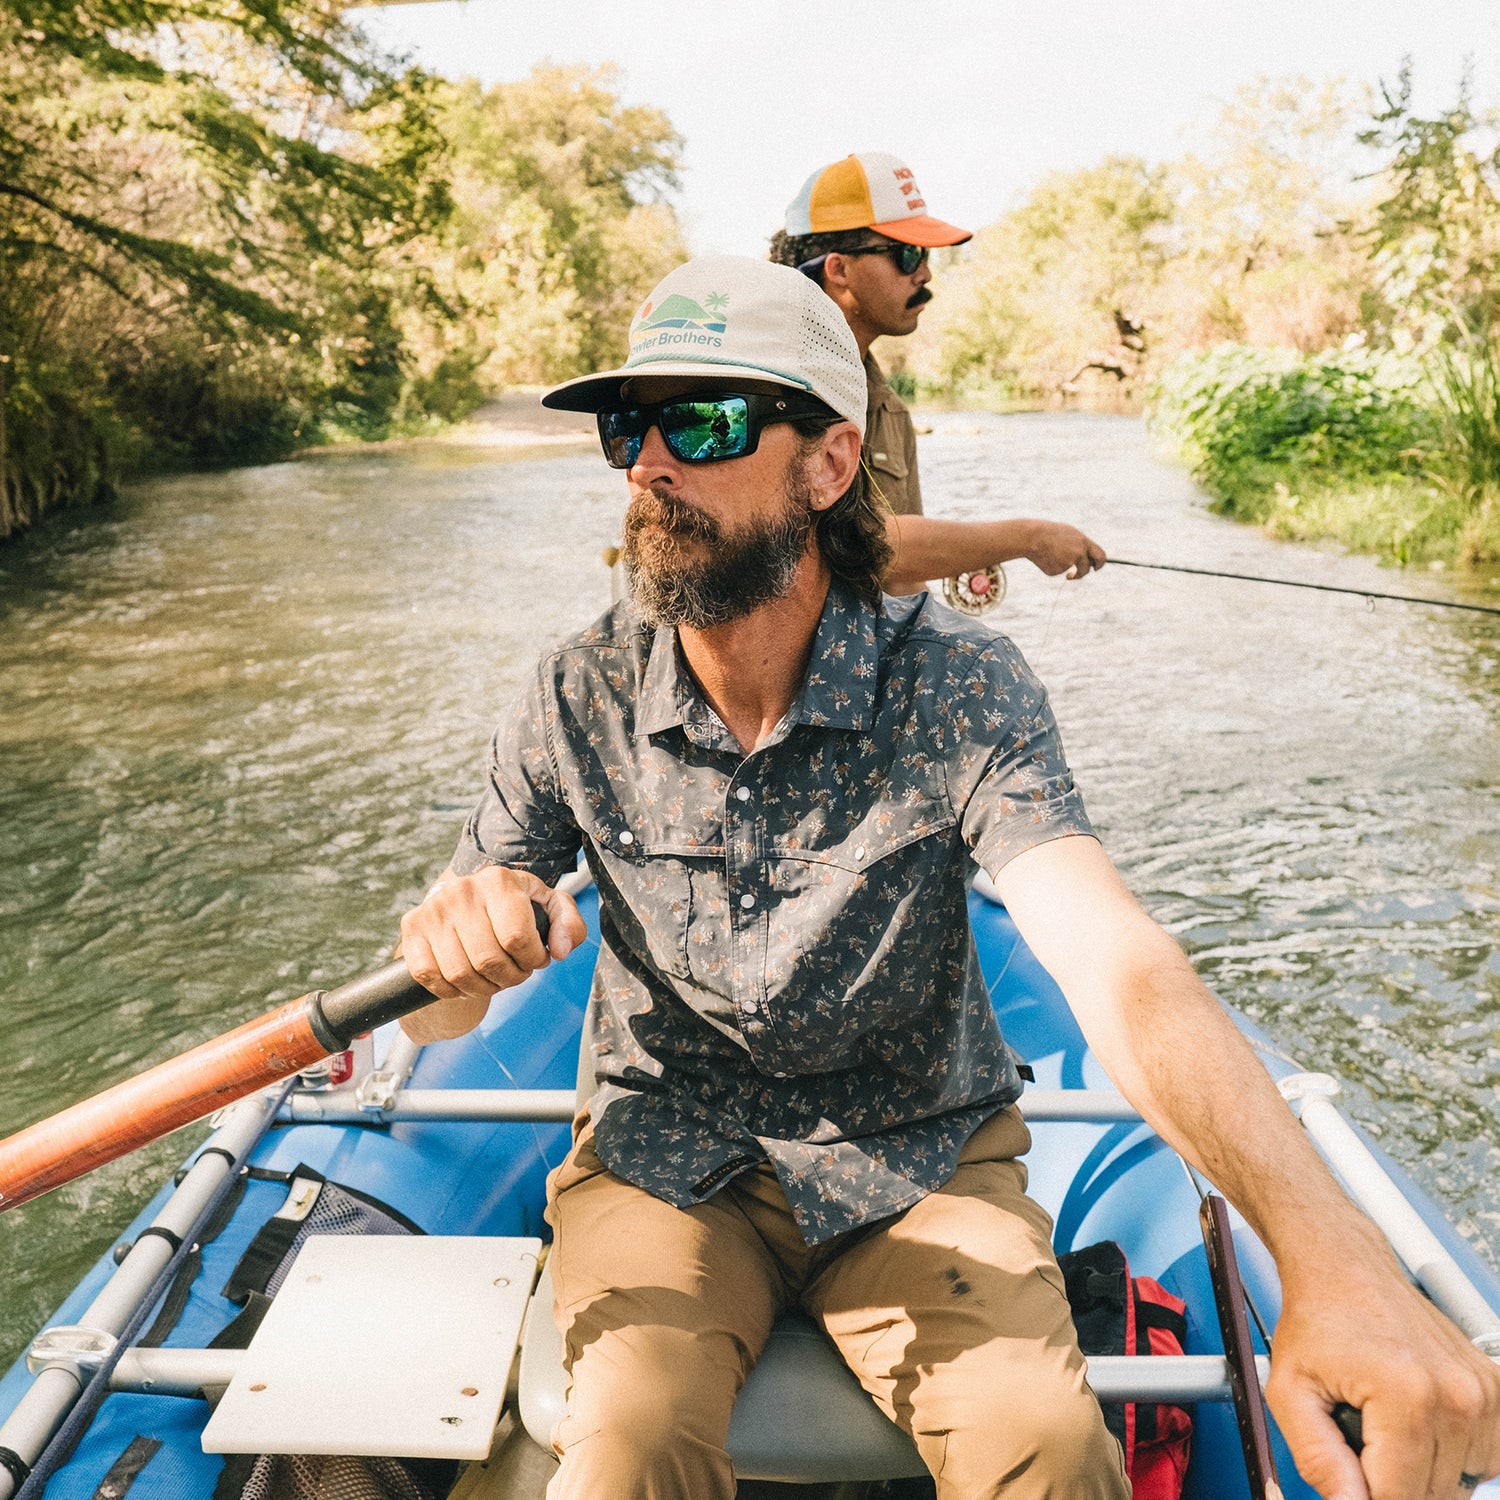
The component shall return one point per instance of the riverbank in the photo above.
(1386, 454)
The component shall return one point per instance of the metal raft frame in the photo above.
(64, 1359)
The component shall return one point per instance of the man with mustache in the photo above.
(860, 228)
(779, 776)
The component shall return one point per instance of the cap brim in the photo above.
(925, 231)
(594, 392)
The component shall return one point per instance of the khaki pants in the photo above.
(951, 1314)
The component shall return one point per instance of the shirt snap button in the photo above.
(628, 838)
(747, 900)
(858, 853)
(743, 793)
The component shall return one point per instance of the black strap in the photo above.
(1154, 1315)
(124, 1471)
(213, 1151)
(174, 1240)
(14, 1465)
(175, 1302)
(234, 1476)
(240, 1329)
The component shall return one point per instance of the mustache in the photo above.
(657, 508)
(918, 298)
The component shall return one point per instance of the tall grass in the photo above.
(1388, 454)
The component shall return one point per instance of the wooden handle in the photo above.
(194, 1084)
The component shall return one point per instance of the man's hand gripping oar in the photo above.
(528, 924)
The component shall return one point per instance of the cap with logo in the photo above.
(731, 317)
(870, 190)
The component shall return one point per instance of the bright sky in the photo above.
(981, 97)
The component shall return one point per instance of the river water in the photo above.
(242, 716)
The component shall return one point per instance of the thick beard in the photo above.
(745, 568)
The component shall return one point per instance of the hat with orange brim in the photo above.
(870, 190)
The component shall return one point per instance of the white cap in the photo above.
(732, 316)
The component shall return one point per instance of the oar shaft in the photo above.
(185, 1088)
(172, 1094)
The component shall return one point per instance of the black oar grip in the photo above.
(338, 1016)
(1350, 1421)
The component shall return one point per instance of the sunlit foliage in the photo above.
(226, 230)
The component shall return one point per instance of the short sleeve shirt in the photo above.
(786, 971)
(891, 443)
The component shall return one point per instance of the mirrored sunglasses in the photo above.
(908, 258)
(701, 429)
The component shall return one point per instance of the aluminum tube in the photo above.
(436, 1104)
(1123, 1377)
(1178, 1378)
(37, 1415)
(175, 1372)
(1101, 1105)
(401, 1056)
(1419, 1249)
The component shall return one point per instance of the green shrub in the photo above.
(1247, 419)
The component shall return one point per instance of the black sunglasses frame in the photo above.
(898, 250)
(761, 411)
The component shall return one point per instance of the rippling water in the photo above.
(242, 715)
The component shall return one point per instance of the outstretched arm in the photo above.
(926, 547)
(1352, 1328)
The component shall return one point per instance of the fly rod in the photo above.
(1297, 583)
(138, 1111)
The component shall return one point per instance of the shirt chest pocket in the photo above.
(892, 841)
(650, 874)
(885, 454)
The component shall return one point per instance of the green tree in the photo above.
(198, 211)
(1058, 282)
(1435, 234)
(560, 225)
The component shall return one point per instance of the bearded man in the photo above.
(778, 777)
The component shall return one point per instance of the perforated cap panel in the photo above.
(728, 315)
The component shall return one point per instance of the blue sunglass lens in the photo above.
(696, 432)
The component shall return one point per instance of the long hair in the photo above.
(851, 532)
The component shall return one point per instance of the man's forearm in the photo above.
(928, 548)
(1176, 1054)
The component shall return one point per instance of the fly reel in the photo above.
(977, 592)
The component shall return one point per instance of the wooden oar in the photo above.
(194, 1084)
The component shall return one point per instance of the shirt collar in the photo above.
(837, 693)
(839, 689)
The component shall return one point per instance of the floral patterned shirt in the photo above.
(787, 969)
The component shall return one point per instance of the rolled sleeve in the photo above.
(521, 820)
(1014, 788)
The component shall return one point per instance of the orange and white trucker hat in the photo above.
(729, 316)
(870, 190)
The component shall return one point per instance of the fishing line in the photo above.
(1296, 583)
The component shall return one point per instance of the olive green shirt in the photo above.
(891, 443)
